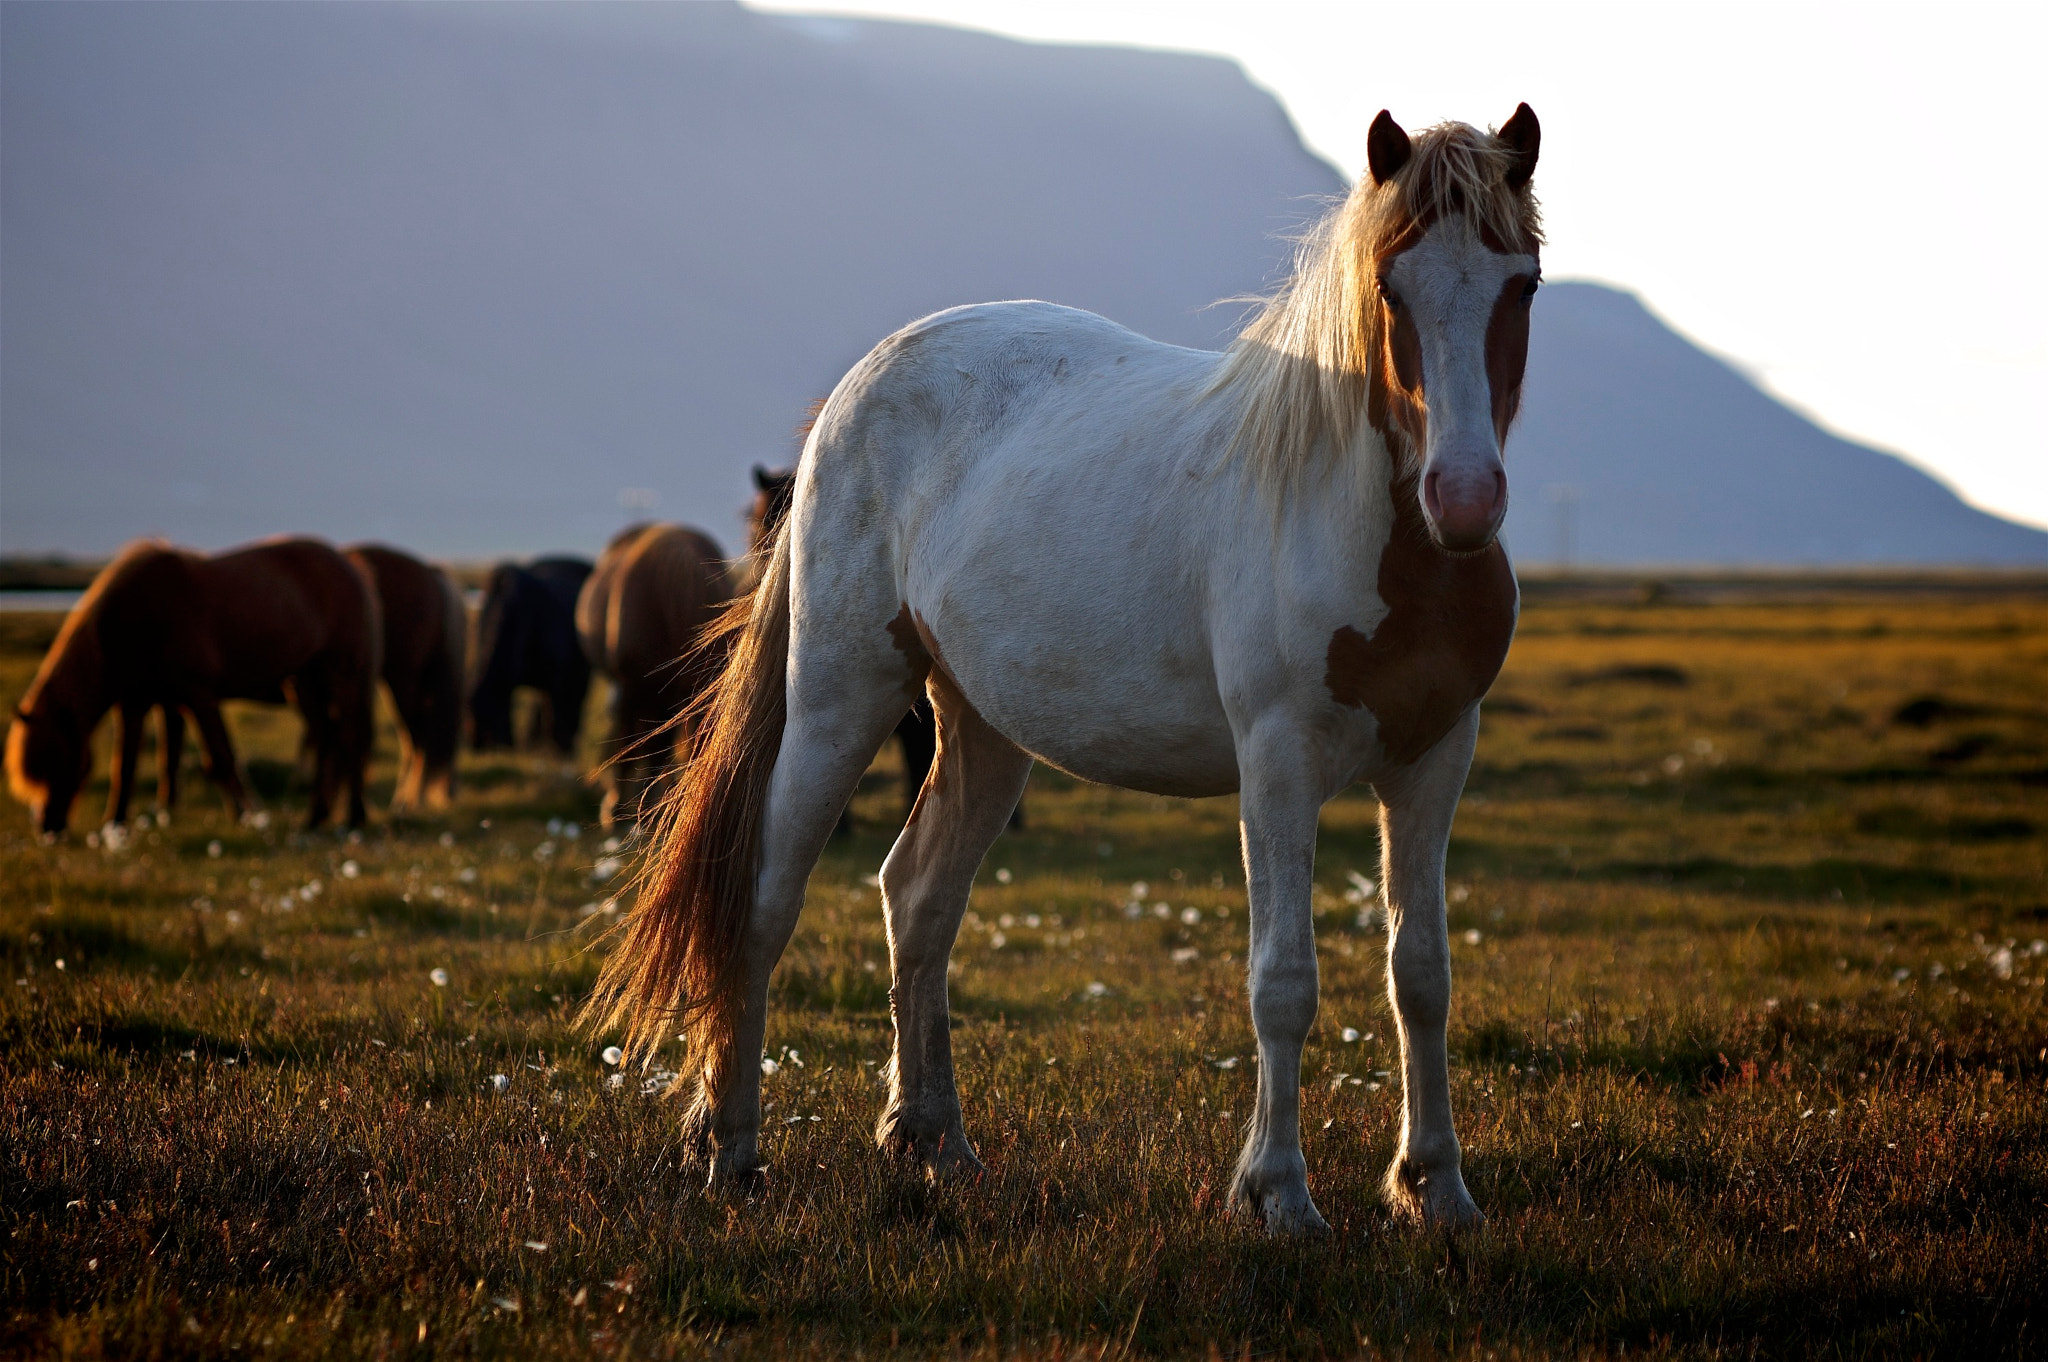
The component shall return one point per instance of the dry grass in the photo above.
(1749, 1048)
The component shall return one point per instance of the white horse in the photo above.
(1270, 571)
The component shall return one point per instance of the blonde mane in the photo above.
(1305, 368)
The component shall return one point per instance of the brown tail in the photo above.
(680, 960)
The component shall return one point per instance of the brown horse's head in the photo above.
(48, 761)
(773, 491)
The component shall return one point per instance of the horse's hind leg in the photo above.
(1426, 1181)
(842, 705)
(967, 797)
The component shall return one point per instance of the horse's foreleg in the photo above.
(171, 755)
(1425, 1181)
(966, 798)
(1278, 802)
(126, 758)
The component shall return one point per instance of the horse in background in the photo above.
(426, 637)
(1273, 571)
(526, 636)
(166, 627)
(918, 731)
(640, 617)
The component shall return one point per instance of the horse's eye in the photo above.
(1529, 291)
(1388, 296)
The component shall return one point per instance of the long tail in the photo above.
(679, 963)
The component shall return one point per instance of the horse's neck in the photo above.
(74, 678)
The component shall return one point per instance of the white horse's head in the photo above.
(1408, 311)
(1454, 269)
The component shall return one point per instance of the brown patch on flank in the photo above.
(1450, 618)
(1507, 352)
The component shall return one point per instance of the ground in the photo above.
(1747, 907)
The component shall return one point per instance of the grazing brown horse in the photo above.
(426, 635)
(639, 616)
(172, 628)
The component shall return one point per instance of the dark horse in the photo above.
(426, 635)
(526, 636)
(165, 627)
(640, 617)
(917, 731)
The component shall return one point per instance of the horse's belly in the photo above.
(1160, 760)
(1143, 727)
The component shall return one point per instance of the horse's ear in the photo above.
(763, 479)
(1386, 148)
(1523, 135)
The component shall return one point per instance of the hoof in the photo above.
(1284, 1211)
(945, 1157)
(742, 1183)
(1435, 1202)
(954, 1161)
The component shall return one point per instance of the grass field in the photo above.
(1749, 1045)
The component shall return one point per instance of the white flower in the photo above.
(571, 831)
(448, 838)
(1003, 876)
(769, 1068)
(544, 851)
(215, 849)
(610, 844)
(1096, 988)
(1139, 889)
(1351, 1035)
(554, 827)
(1162, 911)
(1471, 936)
(537, 1245)
(612, 1055)
(1033, 921)
(1185, 954)
(1134, 910)
(500, 1082)
(1459, 893)
(1190, 916)
(1360, 885)
(606, 867)
(349, 869)
(467, 874)
(615, 1081)
(439, 976)
(998, 941)
(1228, 1062)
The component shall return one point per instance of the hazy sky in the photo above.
(1847, 200)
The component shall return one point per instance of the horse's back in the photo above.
(283, 601)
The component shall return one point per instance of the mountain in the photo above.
(1637, 447)
(482, 279)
